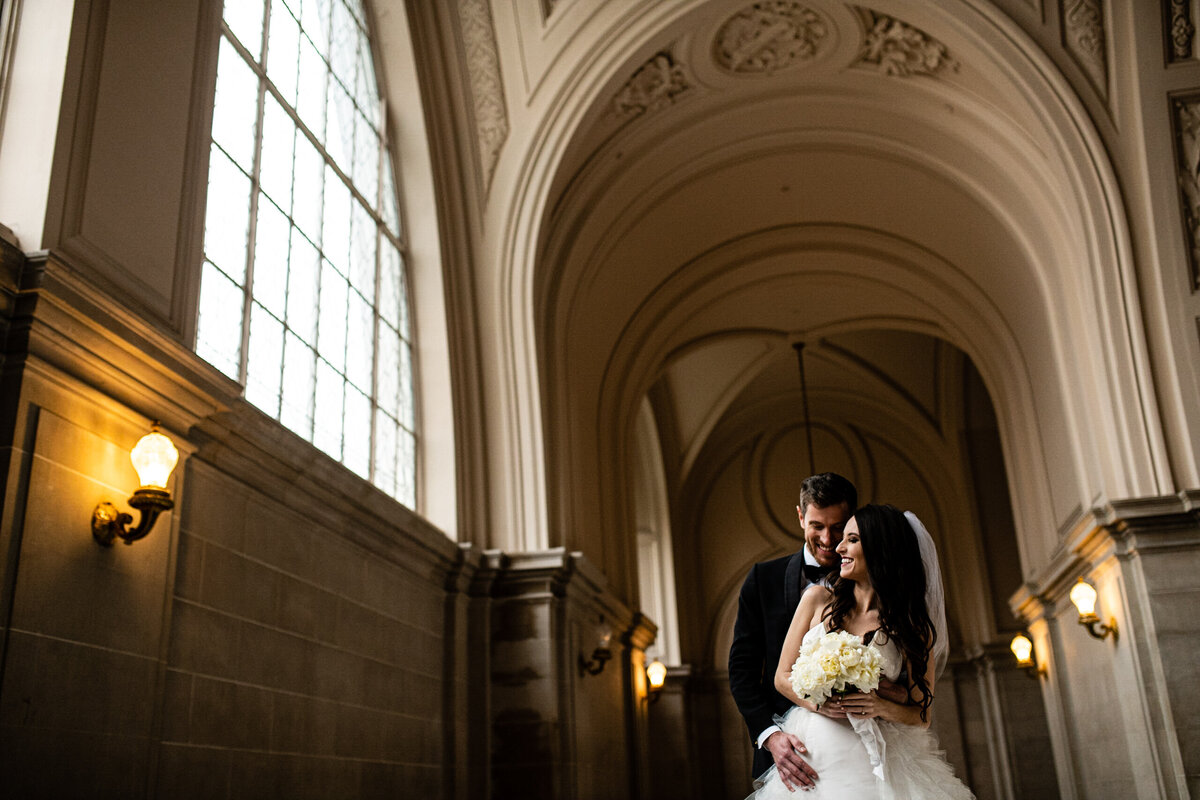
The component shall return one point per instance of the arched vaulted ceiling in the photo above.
(764, 174)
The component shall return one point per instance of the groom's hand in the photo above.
(793, 770)
(895, 692)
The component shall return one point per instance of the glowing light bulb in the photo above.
(1084, 598)
(1023, 649)
(154, 457)
(656, 673)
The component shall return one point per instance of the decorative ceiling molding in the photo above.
(1181, 31)
(769, 36)
(899, 49)
(487, 87)
(1186, 121)
(655, 85)
(1083, 35)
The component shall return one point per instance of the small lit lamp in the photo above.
(1022, 648)
(656, 673)
(1083, 595)
(594, 665)
(153, 457)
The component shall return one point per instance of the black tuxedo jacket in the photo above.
(766, 605)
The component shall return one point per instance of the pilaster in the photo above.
(564, 654)
(1123, 715)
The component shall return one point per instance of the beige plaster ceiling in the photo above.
(703, 219)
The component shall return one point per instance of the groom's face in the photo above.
(823, 527)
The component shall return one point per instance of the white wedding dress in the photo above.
(866, 759)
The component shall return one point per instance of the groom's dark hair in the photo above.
(827, 489)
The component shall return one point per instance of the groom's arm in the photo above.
(747, 660)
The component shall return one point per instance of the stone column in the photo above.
(562, 681)
(636, 639)
(1123, 713)
(668, 730)
(1004, 723)
(467, 686)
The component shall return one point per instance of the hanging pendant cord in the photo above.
(812, 462)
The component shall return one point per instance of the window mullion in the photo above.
(251, 245)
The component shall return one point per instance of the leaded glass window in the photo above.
(304, 296)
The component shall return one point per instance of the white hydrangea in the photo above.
(835, 662)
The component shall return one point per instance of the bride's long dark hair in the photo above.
(897, 575)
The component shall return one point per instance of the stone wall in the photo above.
(246, 646)
(286, 630)
(298, 664)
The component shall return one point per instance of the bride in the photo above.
(888, 591)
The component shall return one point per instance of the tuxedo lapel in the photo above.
(793, 581)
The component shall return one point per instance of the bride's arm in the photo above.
(812, 604)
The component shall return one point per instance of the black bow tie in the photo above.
(816, 574)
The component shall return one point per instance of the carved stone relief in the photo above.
(1083, 35)
(487, 88)
(1181, 31)
(900, 49)
(769, 36)
(655, 85)
(1187, 137)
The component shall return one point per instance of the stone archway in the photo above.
(1036, 235)
(673, 197)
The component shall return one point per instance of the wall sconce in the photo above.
(153, 457)
(1023, 649)
(1083, 595)
(594, 665)
(656, 676)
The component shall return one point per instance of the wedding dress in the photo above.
(866, 759)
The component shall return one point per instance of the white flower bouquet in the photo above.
(834, 663)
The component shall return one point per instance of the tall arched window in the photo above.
(303, 295)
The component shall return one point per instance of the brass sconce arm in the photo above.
(595, 664)
(1098, 629)
(601, 654)
(108, 524)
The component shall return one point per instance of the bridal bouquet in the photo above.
(835, 662)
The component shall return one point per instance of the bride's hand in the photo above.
(831, 708)
(864, 706)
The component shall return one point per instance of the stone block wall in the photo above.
(299, 664)
(243, 648)
(280, 633)
(85, 624)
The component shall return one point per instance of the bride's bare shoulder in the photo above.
(815, 597)
(817, 592)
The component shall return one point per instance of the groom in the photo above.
(766, 605)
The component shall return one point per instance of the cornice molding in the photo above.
(254, 449)
(65, 322)
(560, 574)
(1120, 529)
(71, 324)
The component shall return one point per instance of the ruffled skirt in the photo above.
(866, 760)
